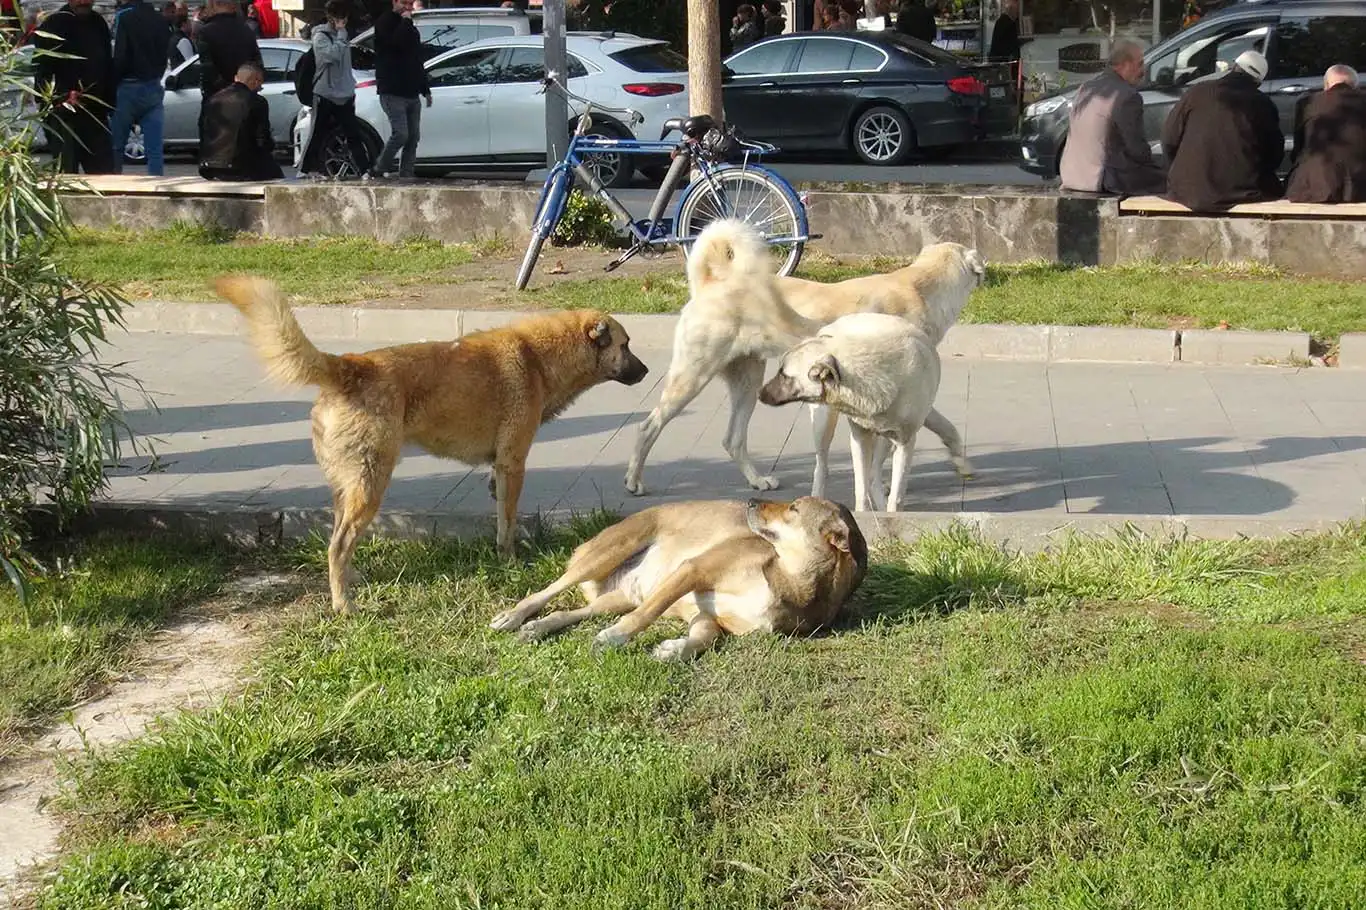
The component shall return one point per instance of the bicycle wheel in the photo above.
(755, 196)
(543, 225)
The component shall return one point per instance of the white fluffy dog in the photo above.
(881, 372)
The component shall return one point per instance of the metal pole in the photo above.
(1157, 21)
(556, 105)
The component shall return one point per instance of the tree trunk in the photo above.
(704, 58)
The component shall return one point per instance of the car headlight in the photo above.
(1046, 106)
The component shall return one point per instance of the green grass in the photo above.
(1145, 296)
(82, 619)
(180, 262)
(1126, 723)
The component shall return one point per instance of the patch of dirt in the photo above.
(487, 282)
(189, 665)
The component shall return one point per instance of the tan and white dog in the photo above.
(739, 315)
(881, 372)
(721, 567)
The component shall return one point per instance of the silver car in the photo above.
(280, 57)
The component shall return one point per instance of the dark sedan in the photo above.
(881, 95)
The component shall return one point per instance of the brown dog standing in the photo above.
(479, 400)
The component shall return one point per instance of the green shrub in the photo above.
(587, 221)
(59, 415)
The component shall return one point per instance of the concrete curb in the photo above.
(246, 527)
(1029, 343)
(1352, 351)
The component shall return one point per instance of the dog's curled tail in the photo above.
(728, 249)
(279, 341)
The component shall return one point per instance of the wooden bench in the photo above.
(1280, 209)
(137, 185)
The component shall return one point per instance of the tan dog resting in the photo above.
(721, 567)
(479, 400)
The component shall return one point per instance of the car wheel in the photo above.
(615, 171)
(883, 136)
(135, 149)
(336, 160)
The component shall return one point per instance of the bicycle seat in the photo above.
(692, 127)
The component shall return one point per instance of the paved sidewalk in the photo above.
(1049, 440)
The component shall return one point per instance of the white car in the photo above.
(488, 111)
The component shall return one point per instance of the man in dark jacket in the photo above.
(224, 44)
(238, 144)
(81, 83)
(400, 79)
(1106, 150)
(1223, 140)
(141, 36)
(1330, 143)
(916, 19)
(1005, 35)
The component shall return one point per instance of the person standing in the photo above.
(775, 23)
(916, 20)
(238, 144)
(334, 94)
(400, 79)
(78, 72)
(1330, 143)
(1005, 35)
(225, 42)
(745, 28)
(182, 41)
(1106, 150)
(141, 36)
(1223, 140)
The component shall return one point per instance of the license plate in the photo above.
(998, 91)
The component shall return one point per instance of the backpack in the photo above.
(306, 77)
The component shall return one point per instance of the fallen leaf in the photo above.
(1223, 325)
(559, 268)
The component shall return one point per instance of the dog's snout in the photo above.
(634, 371)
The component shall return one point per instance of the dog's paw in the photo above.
(672, 651)
(536, 630)
(610, 639)
(635, 486)
(507, 621)
(765, 482)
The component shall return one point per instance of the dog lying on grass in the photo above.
(721, 567)
(479, 400)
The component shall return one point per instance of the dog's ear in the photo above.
(838, 537)
(825, 371)
(600, 333)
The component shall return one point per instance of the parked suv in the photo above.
(1300, 38)
(442, 30)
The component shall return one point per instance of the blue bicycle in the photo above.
(745, 190)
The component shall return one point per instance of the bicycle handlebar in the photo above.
(551, 79)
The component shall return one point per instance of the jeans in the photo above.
(405, 115)
(335, 121)
(142, 103)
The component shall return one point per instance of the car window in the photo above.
(275, 60)
(1305, 46)
(866, 59)
(652, 58)
(824, 55)
(439, 36)
(926, 55)
(527, 64)
(475, 68)
(496, 31)
(763, 59)
(1209, 51)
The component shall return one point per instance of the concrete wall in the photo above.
(1008, 224)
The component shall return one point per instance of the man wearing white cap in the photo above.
(1223, 140)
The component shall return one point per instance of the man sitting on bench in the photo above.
(1330, 143)
(238, 144)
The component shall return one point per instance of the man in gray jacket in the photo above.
(1106, 151)
(334, 124)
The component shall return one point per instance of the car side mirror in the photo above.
(727, 74)
(171, 84)
(1165, 77)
